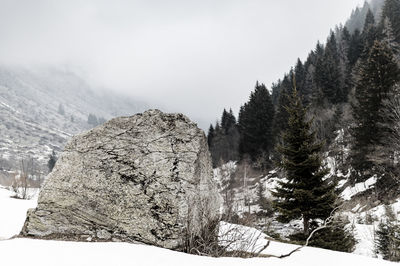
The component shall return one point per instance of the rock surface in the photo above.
(145, 178)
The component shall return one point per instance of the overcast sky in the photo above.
(195, 57)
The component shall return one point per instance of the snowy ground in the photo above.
(364, 231)
(12, 213)
(49, 253)
(358, 188)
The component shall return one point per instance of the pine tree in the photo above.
(300, 75)
(355, 48)
(320, 80)
(305, 194)
(216, 145)
(281, 114)
(376, 78)
(263, 202)
(369, 33)
(255, 124)
(52, 161)
(335, 237)
(391, 10)
(210, 135)
(331, 80)
(389, 39)
(275, 92)
(344, 63)
(387, 239)
(309, 85)
(357, 19)
(223, 140)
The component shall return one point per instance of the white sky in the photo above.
(195, 57)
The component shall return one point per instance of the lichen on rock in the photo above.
(145, 178)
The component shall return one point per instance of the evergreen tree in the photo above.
(216, 146)
(263, 202)
(391, 10)
(305, 194)
(334, 237)
(330, 79)
(387, 239)
(309, 85)
(228, 121)
(52, 161)
(275, 92)
(300, 75)
(369, 33)
(210, 135)
(355, 48)
(319, 75)
(357, 18)
(376, 78)
(223, 140)
(389, 39)
(344, 63)
(281, 114)
(255, 124)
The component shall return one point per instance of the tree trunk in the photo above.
(306, 225)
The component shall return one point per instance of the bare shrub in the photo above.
(201, 231)
(241, 241)
(220, 239)
(22, 180)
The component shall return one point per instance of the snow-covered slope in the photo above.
(49, 253)
(32, 124)
(363, 215)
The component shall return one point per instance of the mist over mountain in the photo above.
(42, 108)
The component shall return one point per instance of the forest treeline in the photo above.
(350, 86)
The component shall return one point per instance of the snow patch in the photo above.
(13, 213)
(357, 188)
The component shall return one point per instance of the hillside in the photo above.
(336, 111)
(42, 108)
(363, 214)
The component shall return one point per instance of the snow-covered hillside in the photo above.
(41, 109)
(21, 251)
(363, 216)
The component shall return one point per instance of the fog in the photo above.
(195, 57)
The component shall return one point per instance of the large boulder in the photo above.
(145, 178)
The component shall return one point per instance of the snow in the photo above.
(50, 253)
(223, 174)
(331, 164)
(365, 232)
(12, 213)
(364, 235)
(379, 211)
(249, 239)
(357, 188)
(21, 251)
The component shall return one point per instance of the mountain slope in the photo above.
(41, 109)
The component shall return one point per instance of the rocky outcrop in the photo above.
(145, 178)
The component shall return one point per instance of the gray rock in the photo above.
(145, 178)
